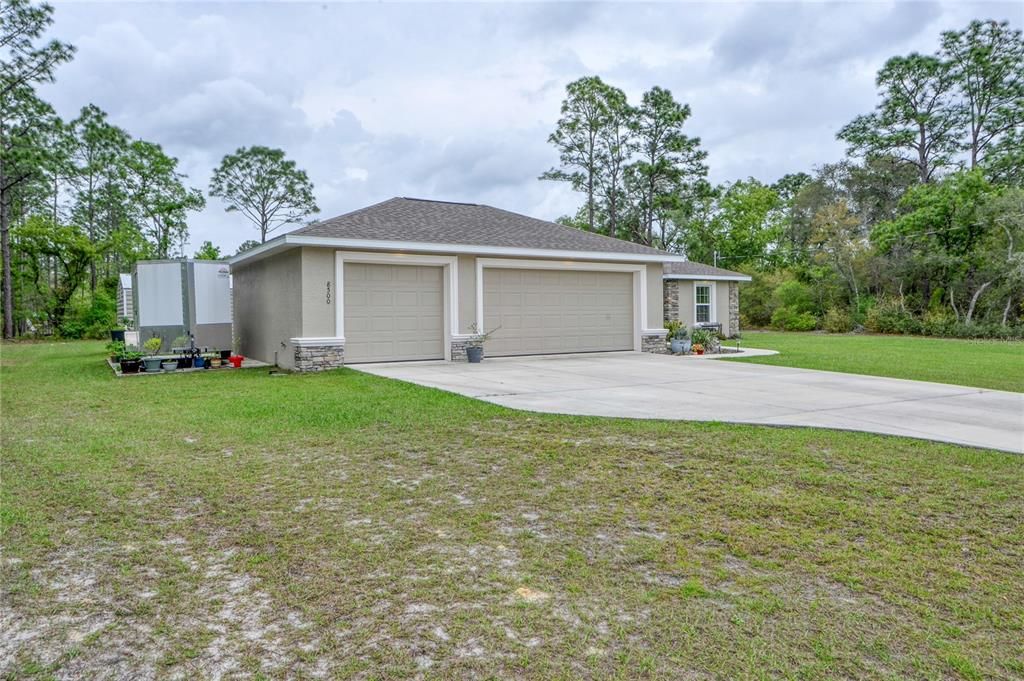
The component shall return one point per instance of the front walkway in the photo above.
(639, 385)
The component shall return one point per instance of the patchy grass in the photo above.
(343, 525)
(979, 363)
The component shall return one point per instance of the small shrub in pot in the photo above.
(475, 343)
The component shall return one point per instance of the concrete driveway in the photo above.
(640, 385)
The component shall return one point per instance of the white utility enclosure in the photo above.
(174, 298)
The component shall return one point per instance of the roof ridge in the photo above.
(575, 229)
(454, 203)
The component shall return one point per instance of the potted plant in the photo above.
(706, 338)
(131, 361)
(698, 348)
(475, 343)
(117, 334)
(214, 361)
(152, 346)
(679, 337)
(169, 364)
(199, 362)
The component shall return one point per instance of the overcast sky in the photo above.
(455, 101)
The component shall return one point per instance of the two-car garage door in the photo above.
(396, 312)
(553, 311)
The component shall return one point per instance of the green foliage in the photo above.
(918, 119)
(268, 189)
(153, 345)
(837, 320)
(246, 245)
(704, 337)
(116, 348)
(790, 318)
(89, 317)
(163, 200)
(793, 294)
(741, 221)
(986, 60)
(208, 252)
(676, 329)
(633, 164)
(756, 304)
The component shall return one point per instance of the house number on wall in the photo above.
(328, 293)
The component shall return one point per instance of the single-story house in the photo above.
(411, 279)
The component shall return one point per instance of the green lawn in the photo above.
(977, 363)
(230, 522)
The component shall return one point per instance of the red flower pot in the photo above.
(236, 361)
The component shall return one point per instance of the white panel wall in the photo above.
(159, 294)
(213, 293)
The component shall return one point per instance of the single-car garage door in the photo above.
(393, 312)
(552, 311)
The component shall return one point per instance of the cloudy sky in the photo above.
(455, 101)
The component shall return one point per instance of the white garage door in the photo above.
(552, 311)
(393, 312)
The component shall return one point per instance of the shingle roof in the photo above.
(443, 222)
(696, 269)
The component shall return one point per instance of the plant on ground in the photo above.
(837, 320)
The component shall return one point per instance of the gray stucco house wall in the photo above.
(409, 278)
(719, 286)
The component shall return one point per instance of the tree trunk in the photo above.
(922, 157)
(974, 301)
(952, 303)
(5, 254)
(1006, 310)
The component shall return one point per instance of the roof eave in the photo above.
(291, 241)
(708, 277)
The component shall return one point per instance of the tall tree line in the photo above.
(80, 200)
(918, 230)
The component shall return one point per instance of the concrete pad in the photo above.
(638, 385)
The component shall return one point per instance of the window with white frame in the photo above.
(702, 303)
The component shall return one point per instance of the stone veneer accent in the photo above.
(319, 357)
(654, 343)
(459, 351)
(734, 308)
(670, 293)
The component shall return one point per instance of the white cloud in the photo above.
(455, 101)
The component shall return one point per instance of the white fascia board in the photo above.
(708, 277)
(291, 241)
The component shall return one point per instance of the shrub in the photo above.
(837, 320)
(89, 319)
(889, 317)
(152, 346)
(795, 295)
(791, 319)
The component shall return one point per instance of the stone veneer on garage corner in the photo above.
(734, 308)
(655, 343)
(319, 357)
